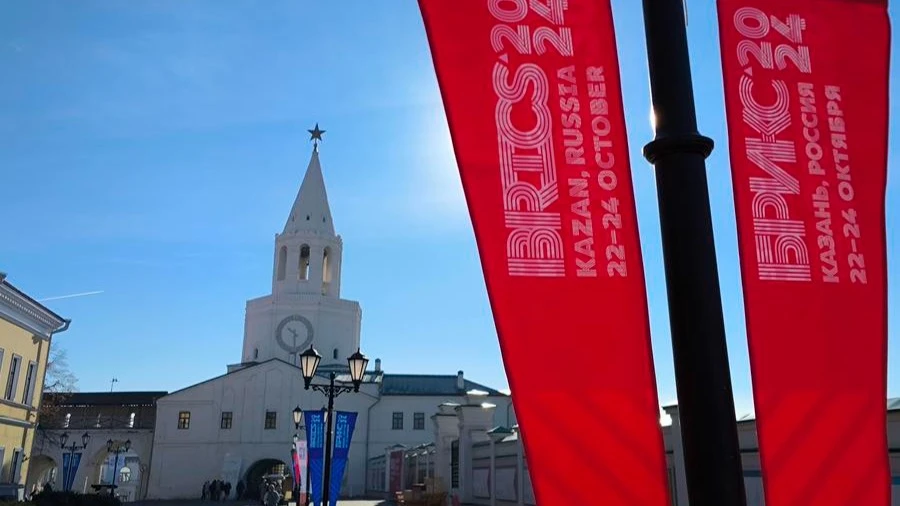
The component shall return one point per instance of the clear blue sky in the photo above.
(151, 150)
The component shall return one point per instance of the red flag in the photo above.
(532, 95)
(806, 90)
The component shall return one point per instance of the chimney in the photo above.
(377, 365)
(460, 381)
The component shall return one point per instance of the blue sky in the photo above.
(151, 150)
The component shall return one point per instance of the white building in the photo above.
(238, 426)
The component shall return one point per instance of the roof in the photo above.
(368, 377)
(391, 384)
(429, 384)
(310, 212)
(107, 398)
(321, 372)
(21, 310)
(893, 404)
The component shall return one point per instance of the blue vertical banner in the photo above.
(315, 443)
(67, 463)
(344, 423)
(70, 468)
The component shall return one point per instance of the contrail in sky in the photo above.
(83, 294)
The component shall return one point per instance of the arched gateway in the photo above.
(43, 470)
(267, 471)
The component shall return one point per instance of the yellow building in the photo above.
(26, 329)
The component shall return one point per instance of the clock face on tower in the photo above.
(294, 334)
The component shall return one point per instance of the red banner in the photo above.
(532, 94)
(806, 90)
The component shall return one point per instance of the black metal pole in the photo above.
(307, 478)
(329, 416)
(712, 456)
(65, 486)
(72, 469)
(112, 489)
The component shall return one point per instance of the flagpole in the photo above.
(712, 456)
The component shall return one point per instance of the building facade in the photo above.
(26, 330)
(238, 427)
(476, 464)
(103, 417)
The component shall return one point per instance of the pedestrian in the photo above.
(240, 490)
(272, 497)
(204, 493)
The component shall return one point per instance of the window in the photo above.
(255, 353)
(454, 464)
(418, 421)
(334, 354)
(15, 466)
(397, 421)
(184, 420)
(226, 420)
(131, 421)
(67, 420)
(270, 420)
(30, 378)
(13, 379)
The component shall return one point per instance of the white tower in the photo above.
(305, 307)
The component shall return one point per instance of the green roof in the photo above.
(429, 384)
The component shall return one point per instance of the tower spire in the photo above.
(310, 212)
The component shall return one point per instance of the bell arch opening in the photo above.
(282, 263)
(303, 267)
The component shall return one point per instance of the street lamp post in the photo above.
(85, 439)
(116, 449)
(309, 362)
(298, 420)
(705, 401)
